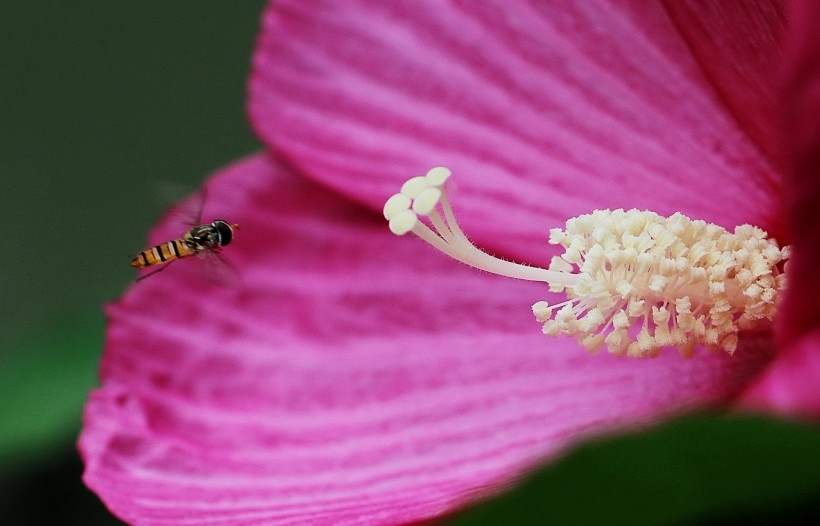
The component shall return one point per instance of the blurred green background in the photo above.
(104, 104)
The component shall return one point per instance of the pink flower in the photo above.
(355, 377)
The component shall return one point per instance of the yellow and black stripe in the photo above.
(169, 251)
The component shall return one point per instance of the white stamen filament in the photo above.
(635, 281)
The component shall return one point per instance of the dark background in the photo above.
(109, 111)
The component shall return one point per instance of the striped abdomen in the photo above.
(163, 253)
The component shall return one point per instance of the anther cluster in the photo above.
(648, 282)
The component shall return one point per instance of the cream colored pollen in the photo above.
(634, 281)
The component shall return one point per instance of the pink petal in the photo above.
(354, 377)
(790, 385)
(738, 45)
(543, 110)
(801, 105)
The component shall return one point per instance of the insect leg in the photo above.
(160, 269)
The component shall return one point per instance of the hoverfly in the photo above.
(202, 239)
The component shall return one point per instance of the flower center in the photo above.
(635, 281)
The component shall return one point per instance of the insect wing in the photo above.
(218, 269)
(188, 213)
(183, 204)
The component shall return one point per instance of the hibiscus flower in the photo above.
(356, 377)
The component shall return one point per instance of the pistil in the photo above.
(635, 281)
